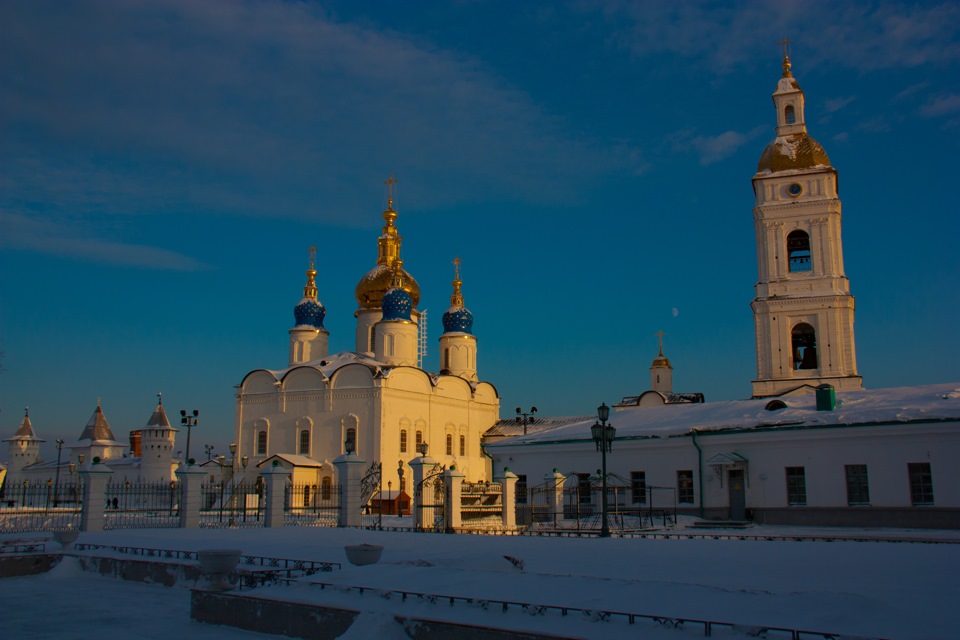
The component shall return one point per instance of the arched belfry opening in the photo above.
(789, 115)
(804, 346)
(798, 251)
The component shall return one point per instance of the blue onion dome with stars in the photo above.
(397, 303)
(457, 319)
(310, 312)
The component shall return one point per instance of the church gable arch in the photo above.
(454, 387)
(304, 379)
(352, 376)
(259, 381)
(409, 379)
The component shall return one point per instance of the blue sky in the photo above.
(166, 166)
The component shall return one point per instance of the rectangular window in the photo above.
(305, 442)
(419, 440)
(403, 441)
(796, 485)
(583, 488)
(449, 444)
(463, 445)
(521, 489)
(921, 483)
(858, 486)
(638, 487)
(261, 443)
(685, 486)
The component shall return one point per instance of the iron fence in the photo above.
(232, 504)
(576, 505)
(142, 505)
(41, 506)
(311, 505)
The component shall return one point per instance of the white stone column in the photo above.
(350, 476)
(421, 466)
(191, 478)
(452, 518)
(275, 479)
(554, 483)
(95, 479)
(508, 483)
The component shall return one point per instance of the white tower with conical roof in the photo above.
(156, 447)
(23, 449)
(803, 310)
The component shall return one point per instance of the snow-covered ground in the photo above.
(881, 589)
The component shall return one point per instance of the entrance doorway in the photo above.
(737, 494)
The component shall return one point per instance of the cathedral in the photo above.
(376, 400)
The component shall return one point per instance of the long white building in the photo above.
(812, 446)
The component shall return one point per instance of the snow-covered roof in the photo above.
(25, 430)
(293, 459)
(97, 428)
(508, 427)
(159, 419)
(897, 405)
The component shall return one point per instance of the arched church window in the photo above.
(463, 445)
(261, 442)
(326, 488)
(449, 444)
(446, 358)
(798, 251)
(390, 346)
(351, 436)
(789, 115)
(804, 346)
(419, 439)
(373, 336)
(304, 442)
(403, 441)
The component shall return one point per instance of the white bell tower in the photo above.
(803, 310)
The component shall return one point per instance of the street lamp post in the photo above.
(189, 421)
(603, 435)
(56, 484)
(233, 476)
(208, 449)
(399, 487)
(527, 417)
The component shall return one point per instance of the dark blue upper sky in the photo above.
(165, 166)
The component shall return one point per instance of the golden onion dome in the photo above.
(661, 361)
(798, 151)
(372, 286)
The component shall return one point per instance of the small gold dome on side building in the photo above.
(798, 151)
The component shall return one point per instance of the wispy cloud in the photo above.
(832, 105)
(713, 149)
(54, 238)
(941, 106)
(886, 34)
(269, 109)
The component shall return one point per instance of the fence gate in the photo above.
(311, 505)
(430, 500)
(371, 516)
(141, 505)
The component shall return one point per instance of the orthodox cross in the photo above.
(390, 182)
(660, 335)
(313, 255)
(456, 266)
(785, 45)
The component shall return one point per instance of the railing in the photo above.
(229, 504)
(307, 505)
(593, 615)
(247, 562)
(23, 547)
(142, 505)
(40, 506)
